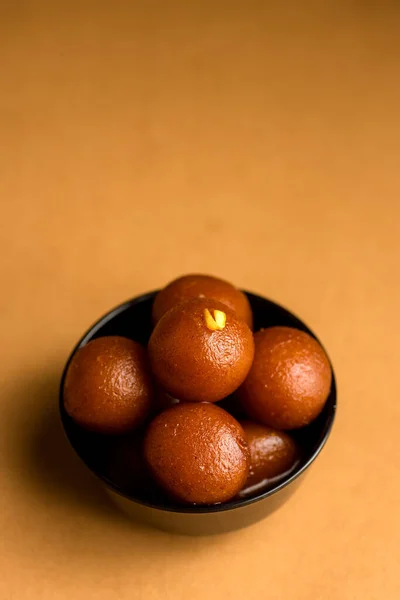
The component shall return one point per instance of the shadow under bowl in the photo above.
(145, 502)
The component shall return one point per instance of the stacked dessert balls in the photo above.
(205, 411)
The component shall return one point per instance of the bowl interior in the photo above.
(108, 456)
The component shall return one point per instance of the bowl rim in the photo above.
(235, 503)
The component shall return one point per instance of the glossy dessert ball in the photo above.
(108, 387)
(200, 351)
(202, 286)
(272, 453)
(289, 381)
(197, 453)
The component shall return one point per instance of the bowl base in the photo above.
(202, 524)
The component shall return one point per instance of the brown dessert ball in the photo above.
(202, 286)
(197, 453)
(108, 387)
(289, 381)
(272, 453)
(200, 351)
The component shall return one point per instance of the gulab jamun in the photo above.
(272, 453)
(200, 351)
(108, 386)
(289, 381)
(197, 453)
(202, 286)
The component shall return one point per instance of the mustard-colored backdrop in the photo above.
(259, 141)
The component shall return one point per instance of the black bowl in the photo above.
(145, 502)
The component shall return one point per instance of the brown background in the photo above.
(142, 140)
